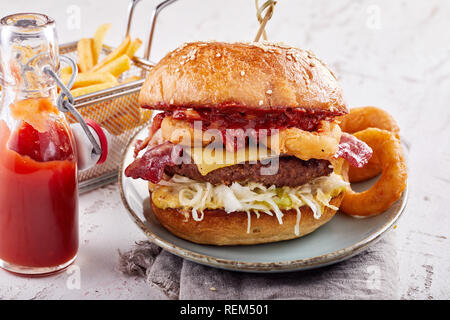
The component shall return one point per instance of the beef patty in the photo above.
(291, 172)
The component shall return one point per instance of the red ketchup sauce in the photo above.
(244, 118)
(38, 196)
(260, 121)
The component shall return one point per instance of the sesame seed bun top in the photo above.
(263, 76)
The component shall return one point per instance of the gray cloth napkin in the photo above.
(372, 274)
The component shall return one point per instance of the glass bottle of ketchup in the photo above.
(38, 163)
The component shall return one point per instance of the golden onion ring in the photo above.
(320, 144)
(370, 170)
(182, 132)
(360, 119)
(368, 117)
(392, 181)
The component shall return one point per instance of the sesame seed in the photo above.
(177, 69)
(261, 102)
(212, 289)
(171, 101)
(218, 55)
(269, 91)
(182, 46)
(242, 73)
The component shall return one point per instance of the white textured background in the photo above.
(392, 54)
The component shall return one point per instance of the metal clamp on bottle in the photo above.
(92, 140)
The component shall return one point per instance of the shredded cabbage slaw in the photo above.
(252, 197)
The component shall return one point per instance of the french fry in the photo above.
(117, 66)
(119, 123)
(146, 115)
(85, 59)
(94, 88)
(97, 41)
(89, 78)
(95, 75)
(131, 79)
(27, 52)
(134, 46)
(119, 51)
(66, 71)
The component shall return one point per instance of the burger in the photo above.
(245, 148)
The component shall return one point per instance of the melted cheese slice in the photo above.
(209, 158)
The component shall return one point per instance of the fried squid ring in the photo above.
(360, 119)
(320, 144)
(392, 181)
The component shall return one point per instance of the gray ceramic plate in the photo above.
(339, 239)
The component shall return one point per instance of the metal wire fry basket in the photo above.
(115, 109)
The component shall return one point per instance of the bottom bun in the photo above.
(221, 228)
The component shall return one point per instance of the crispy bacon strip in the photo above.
(151, 165)
(355, 151)
(156, 124)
